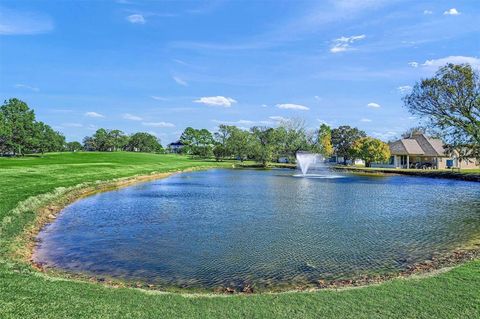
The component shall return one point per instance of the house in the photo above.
(420, 151)
(175, 147)
(335, 159)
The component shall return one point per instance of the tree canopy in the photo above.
(343, 138)
(370, 150)
(21, 133)
(450, 102)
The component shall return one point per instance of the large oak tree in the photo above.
(450, 102)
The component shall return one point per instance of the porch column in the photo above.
(408, 161)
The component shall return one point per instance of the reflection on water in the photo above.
(227, 227)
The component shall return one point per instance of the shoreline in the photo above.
(470, 177)
(46, 213)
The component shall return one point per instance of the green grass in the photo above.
(26, 293)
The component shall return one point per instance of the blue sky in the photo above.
(159, 66)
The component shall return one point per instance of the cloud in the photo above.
(28, 87)
(318, 98)
(386, 136)
(343, 43)
(451, 12)
(243, 123)
(427, 12)
(216, 101)
(279, 118)
(136, 19)
(404, 89)
(436, 63)
(158, 124)
(13, 22)
(290, 106)
(180, 81)
(159, 98)
(131, 117)
(365, 120)
(72, 125)
(413, 64)
(264, 105)
(94, 114)
(373, 105)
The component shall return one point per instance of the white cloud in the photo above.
(28, 87)
(427, 12)
(131, 117)
(290, 106)
(159, 98)
(373, 105)
(365, 120)
(404, 89)
(436, 63)
(413, 64)
(216, 101)
(243, 123)
(279, 118)
(94, 114)
(158, 124)
(264, 105)
(13, 22)
(386, 136)
(318, 98)
(343, 43)
(136, 19)
(72, 125)
(180, 81)
(452, 12)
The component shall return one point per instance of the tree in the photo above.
(45, 139)
(324, 141)
(371, 150)
(239, 144)
(197, 142)
(89, 144)
(263, 145)
(143, 142)
(291, 137)
(343, 138)
(450, 102)
(5, 134)
(117, 139)
(74, 146)
(19, 123)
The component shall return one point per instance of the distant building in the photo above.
(340, 160)
(175, 147)
(420, 151)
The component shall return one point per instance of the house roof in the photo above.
(418, 144)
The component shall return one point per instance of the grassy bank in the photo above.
(27, 293)
(465, 174)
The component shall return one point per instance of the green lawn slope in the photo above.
(27, 293)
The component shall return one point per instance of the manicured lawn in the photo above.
(26, 293)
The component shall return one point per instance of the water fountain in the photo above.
(311, 161)
(305, 160)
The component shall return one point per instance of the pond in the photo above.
(226, 227)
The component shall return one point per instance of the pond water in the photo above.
(228, 227)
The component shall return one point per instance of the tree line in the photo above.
(21, 133)
(270, 144)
